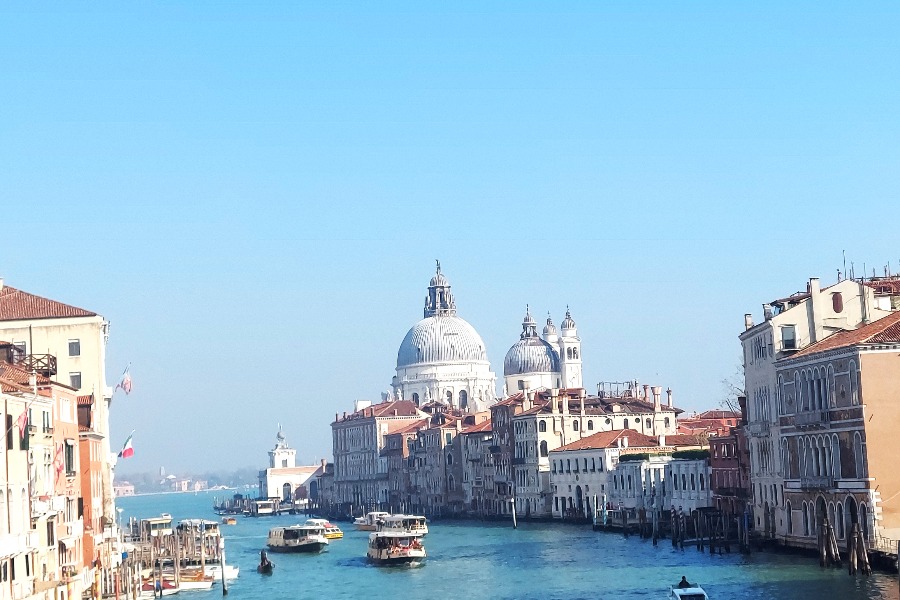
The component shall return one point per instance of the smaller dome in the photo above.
(531, 355)
(568, 322)
(549, 328)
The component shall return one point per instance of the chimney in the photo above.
(669, 398)
(1, 284)
(748, 321)
(767, 312)
(624, 441)
(324, 462)
(646, 392)
(662, 441)
(814, 311)
(336, 417)
(554, 398)
(657, 390)
(395, 412)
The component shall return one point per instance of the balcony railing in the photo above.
(816, 483)
(811, 419)
(44, 364)
(758, 428)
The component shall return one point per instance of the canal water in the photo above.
(468, 559)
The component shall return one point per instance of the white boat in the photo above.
(263, 508)
(154, 589)
(297, 538)
(413, 523)
(692, 591)
(215, 571)
(389, 548)
(332, 531)
(370, 521)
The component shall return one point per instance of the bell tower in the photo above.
(282, 456)
(570, 353)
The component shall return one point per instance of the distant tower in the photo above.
(550, 334)
(162, 472)
(282, 456)
(570, 353)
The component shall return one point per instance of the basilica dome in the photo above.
(441, 339)
(531, 354)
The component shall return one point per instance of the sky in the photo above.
(254, 194)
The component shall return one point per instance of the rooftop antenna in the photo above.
(844, 252)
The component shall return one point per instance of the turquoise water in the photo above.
(493, 560)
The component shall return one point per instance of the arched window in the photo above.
(649, 424)
(590, 425)
(667, 422)
(854, 384)
(449, 459)
(858, 456)
(451, 485)
(542, 426)
(568, 353)
(702, 482)
(683, 482)
(805, 519)
(693, 483)
(544, 448)
(575, 425)
(463, 399)
(575, 352)
(416, 398)
(626, 424)
(839, 520)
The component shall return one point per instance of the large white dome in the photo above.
(441, 339)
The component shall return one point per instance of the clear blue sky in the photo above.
(254, 193)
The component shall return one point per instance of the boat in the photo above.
(297, 538)
(332, 531)
(215, 571)
(203, 545)
(687, 591)
(265, 566)
(195, 580)
(263, 508)
(154, 588)
(369, 522)
(413, 523)
(394, 548)
(229, 521)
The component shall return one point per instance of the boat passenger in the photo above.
(684, 583)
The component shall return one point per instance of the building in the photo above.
(284, 480)
(475, 442)
(442, 358)
(837, 401)
(360, 469)
(790, 324)
(729, 461)
(548, 361)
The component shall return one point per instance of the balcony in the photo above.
(45, 364)
(811, 419)
(758, 429)
(477, 482)
(816, 483)
(731, 492)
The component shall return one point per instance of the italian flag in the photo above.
(127, 450)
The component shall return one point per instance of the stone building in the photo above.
(790, 324)
(837, 401)
(284, 480)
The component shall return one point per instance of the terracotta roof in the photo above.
(484, 426)
(609, 439)
(685, 440)
(85, 400)
(19, 376)
(409, 427)
(403, 408)
(719, 414)
(885, 330)
(17, 305)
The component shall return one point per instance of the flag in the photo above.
(125, 381)
(58, 460)
(23, 422)
(127, 450)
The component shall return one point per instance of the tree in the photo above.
(733, 388)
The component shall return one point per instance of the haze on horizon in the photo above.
(254, 196)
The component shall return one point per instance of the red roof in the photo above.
(484, 426)
(399, 408)
(409, 427)
(609, 439)
(685, 440)
(86, 400)
(885, 330)
(17, 305)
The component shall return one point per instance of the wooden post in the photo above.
(222, 564)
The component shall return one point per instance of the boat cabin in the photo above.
(156, 526)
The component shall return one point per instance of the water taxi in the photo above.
(297, 538)
(412, 523)
(389, 548)
(332, 531)
(229, 521)
(692, 591)
(370, 521)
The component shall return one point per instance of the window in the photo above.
(449, 459)
(554, 466)
(448, 437)
(542, 426)
(9, 437)
(574, 425)
(70, 458)
(544, 452)
(590, 425)
(74, 347)
(649, 424)
(788, 338)
(75, 380)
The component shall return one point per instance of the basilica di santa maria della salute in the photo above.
(443, 359)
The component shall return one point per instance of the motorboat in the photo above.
(194, 579)
(370, 521)
(265, 566)
(151, 588)
(297, 538)
(690, 591)
(229, 521)
(263, 508)
(215, 571)
(413, 523)
(394, 548)
(332, 531)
